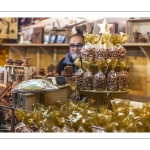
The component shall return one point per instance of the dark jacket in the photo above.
(64, 62)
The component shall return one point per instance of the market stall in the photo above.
(35, 100)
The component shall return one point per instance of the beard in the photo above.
(75, 55)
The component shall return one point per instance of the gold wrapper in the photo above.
(63, 107)
(112, 62)
(123, 38)
(74, 120)
(21, 127)
(75, 95)
(38, 117)
(56, 129)
(19, 113)
(73, 85)
(100, 64)
(87, 63)
(88, 123)
(78, 116)
(111, 127)
(105, 38)
(114, 38)
(67, 129)
(28, 118)
(127, 64)
(120, 103)
(58, 103)
(123, 65)
(61, 121)
(81, 129)
(38, 107)
(77, 62)
(108, 44)
(91, 38)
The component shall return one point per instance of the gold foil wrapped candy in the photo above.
(114, 38)
(75, 95)
(58, 103)
(105, 38)
(19, 113)
(78, 116)
(67, 129)
(91, 38)
(56, 129)
(123, 38)
(21, 127)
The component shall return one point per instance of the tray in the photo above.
(35, 86)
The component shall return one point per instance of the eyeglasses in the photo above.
(78, 46)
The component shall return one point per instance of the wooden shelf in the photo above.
(136, 44)
(66, 45)
(16, 66)
(50, 45)
(94, 91)
(139, 20)
(144, 47)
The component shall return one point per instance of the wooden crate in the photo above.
(26, 100)
(14, 70)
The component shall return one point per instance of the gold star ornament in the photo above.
(104, 27)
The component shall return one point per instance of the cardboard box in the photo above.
(47, 98)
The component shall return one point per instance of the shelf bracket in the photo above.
(20, 50)
(146, 51)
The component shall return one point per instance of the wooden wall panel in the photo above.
(148, 77)
(138, 72)
(61, 53)
(46, 60)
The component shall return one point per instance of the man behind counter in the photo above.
(76, 42)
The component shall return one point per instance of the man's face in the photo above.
(75, 46)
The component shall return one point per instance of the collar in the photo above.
(68, 59)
